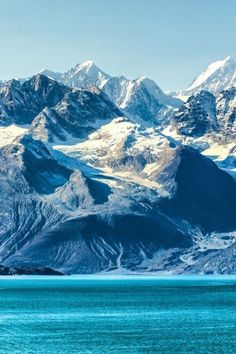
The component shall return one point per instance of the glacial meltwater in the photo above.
(126, 314)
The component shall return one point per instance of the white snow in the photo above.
(112, 142)
(10, 133)
(220, 75)
(87, 65)
(208, 72)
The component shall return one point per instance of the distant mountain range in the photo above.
(141, 98)
(106, 174)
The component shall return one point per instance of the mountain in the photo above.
(85, 75)
(54, 215)
(53, 109)
(20, 103)
(124, 150)
(78, 113)
(197, 116)
(51, 74)
(80, 220)
(205, 113)
(140, 99)
(207, 122)
(81, 76)
(114, 176)
(219, 76)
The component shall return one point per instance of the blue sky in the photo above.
(170, 41)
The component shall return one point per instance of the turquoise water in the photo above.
(117, 315)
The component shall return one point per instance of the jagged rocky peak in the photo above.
(116, 89)
(10, 92)
(49, 91)
(79, 113)
(218, 76)
(40, 83)
(140, 99)
(9, 85)
(10, 101)
(156, 91)
(226, 110)
(22, 102)
(81, 76)
(131, 96)
(84, 75)
(197, 116)
(51, 74)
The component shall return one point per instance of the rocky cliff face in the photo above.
(78, 113)
(197, 116)
(22, 102)
(226, 111)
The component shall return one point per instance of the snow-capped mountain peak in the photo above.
(211, 69)
(51, 74)
(156, 91)
(81, 75)
(218, 76)
(87, 66)
(85, 75)
(129, 95)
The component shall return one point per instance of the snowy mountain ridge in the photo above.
(126, 94)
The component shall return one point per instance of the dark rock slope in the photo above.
(205, 195)
(54, 109)
(197, 116)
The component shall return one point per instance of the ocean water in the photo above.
(117, 315)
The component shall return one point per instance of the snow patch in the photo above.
(10, 133)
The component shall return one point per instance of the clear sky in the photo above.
(170, 41)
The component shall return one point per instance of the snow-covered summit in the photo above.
(81, 75)
(87, 66)
(85, 75)
(51, 74)
(219, 75)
